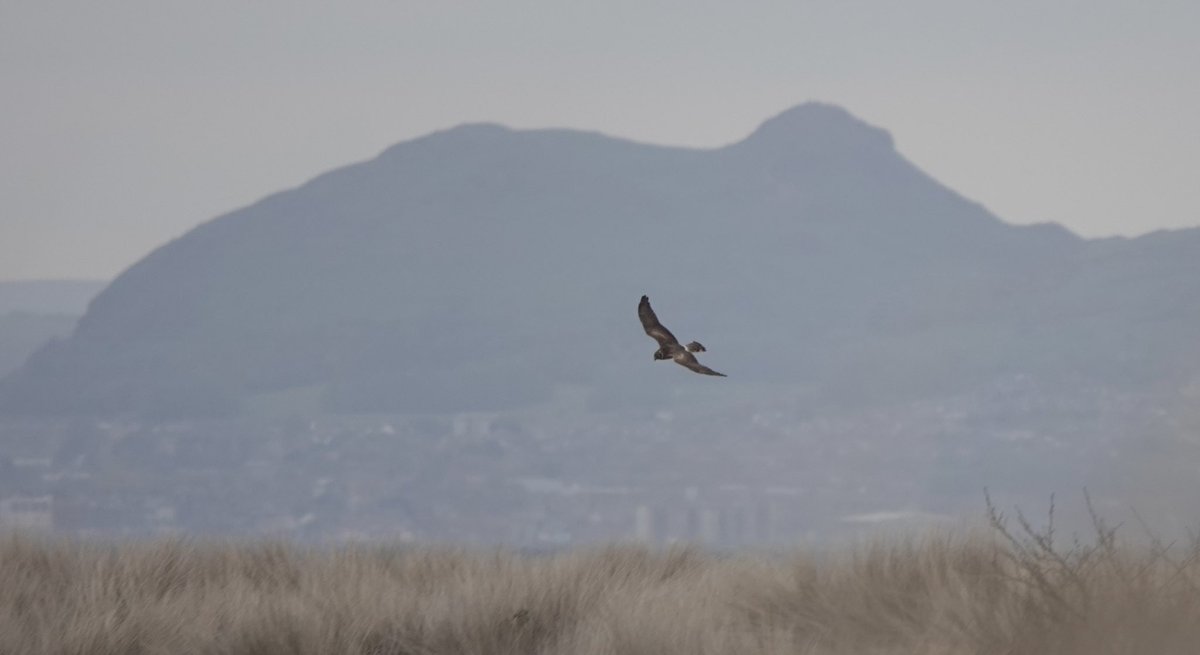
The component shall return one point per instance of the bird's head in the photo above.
(659, 354)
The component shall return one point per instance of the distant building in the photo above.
(710, 526)
(643, 524)
(27, 513)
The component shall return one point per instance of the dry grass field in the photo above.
(1008, 591)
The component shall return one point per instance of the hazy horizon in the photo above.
(383, 351)
(894, 338)
(130, 123)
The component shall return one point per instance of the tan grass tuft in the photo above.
(1013, 591)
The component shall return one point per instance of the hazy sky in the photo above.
(127, 122)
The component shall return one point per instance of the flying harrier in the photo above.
(668, 345)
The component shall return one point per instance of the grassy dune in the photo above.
(988, 593)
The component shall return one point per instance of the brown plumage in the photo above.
(668, 345)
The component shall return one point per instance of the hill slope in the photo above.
(483, 267)
(34, 311)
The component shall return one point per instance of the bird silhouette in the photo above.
(668, 345)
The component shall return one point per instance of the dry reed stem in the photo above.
(1017, 593)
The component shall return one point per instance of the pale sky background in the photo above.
(126, 123)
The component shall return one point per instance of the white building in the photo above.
(27, 513)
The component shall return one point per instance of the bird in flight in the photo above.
(668, 345)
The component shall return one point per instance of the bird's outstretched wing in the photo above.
(653, 328)
(688, 360)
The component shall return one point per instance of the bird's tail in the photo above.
(695, 347)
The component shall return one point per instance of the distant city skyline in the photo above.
(128, 123)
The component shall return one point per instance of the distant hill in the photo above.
(32, 312)
(22, 334)
(62, 297)
(482, 267)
